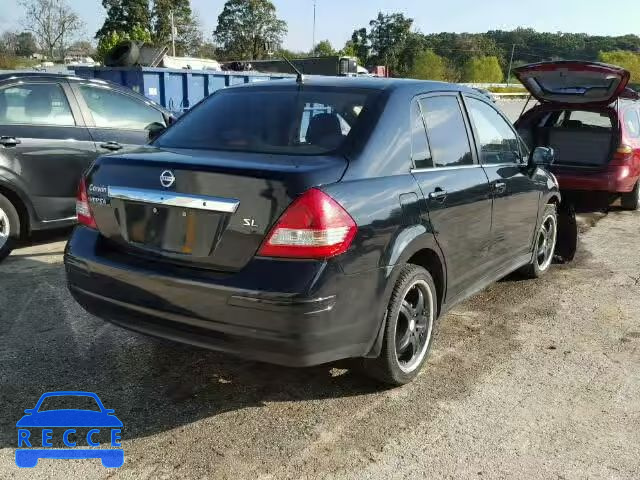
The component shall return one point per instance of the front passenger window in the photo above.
(111, 109)
(497, 141)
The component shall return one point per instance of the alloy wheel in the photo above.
(414, 326)
(546, 243)
(5, 228)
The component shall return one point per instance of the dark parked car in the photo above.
(593, 123)
(304, 223)
(51, 128)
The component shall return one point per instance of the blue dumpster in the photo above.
(176, 90)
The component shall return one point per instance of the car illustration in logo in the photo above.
(69, 426)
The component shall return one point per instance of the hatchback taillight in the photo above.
(313, 226)
(622, 155)
(83, 209)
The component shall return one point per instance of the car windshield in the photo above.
(293, 120)
(65, 402)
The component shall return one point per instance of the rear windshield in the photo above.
(300, 121)
(577, 84)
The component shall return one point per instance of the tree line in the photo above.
(251, 29)
(391, 40)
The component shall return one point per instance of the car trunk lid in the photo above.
(209, 209)
(573, 82)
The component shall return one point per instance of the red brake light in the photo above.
(83, 209)
(313, 226)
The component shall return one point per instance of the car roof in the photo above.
(59, 76)
(374, 83)
(5, 75)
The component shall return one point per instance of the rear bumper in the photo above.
(290, 313)
(615, 179)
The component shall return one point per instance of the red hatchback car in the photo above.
(591, 120)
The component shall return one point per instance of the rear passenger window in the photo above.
(632, 123)
(420, 152)
(111, 109)
(446, 131)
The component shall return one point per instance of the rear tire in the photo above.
(9, 227)
(629, 201)
(545, 244)
(408, 331)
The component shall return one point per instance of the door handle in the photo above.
(113, 146)
(438, 194)
(9, 141)
(500, 187)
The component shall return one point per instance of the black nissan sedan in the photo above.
(302, 222)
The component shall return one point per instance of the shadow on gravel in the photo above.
(46, 236)
(48, 343)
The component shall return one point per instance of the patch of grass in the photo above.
(8, 62)
(11, 62)
(510, 89)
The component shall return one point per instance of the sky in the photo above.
(336, 19)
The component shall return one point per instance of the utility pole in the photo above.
(173, 34)
(313, 42)
(513, 50)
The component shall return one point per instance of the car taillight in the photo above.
(313, 226)
(83, 209)
(622, 155)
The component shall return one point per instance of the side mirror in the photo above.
(542, 157)
(109, 411)
(29, 411)
(154, 130)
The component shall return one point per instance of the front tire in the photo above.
(408, 333)
(545, 244)
(629, 201)
(9, 227)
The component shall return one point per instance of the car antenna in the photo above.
(300, 75)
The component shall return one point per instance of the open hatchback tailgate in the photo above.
(571, 82)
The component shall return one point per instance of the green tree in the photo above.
(360, 46)
(110, 40)
(429, 66)
(249, 29)
(323, 49)
(188, 35)
(123, 16)
(628, 60)
(482, 70)
(388, 35)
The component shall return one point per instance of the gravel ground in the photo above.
(529, 379)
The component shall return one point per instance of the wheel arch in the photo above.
(415, 245)
(22, 205)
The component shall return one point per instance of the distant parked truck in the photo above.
(330, 66)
